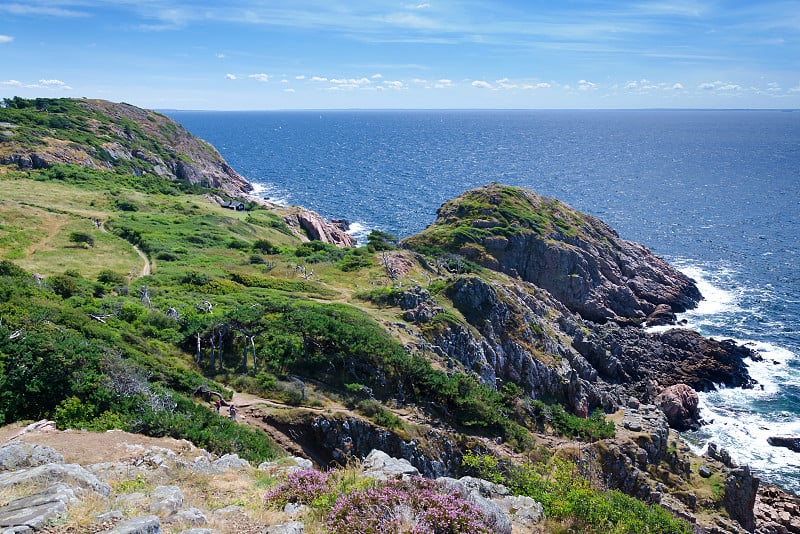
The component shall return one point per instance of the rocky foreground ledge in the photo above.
(156, 490)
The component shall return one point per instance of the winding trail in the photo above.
(146, 267)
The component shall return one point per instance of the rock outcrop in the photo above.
(790, 442)
(309, 225)
(127, 139)
(580, 260)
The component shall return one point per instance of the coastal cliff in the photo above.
(579, 259)
(513, 327)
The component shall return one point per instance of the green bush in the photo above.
(566, 495)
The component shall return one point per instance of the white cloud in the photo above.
(795, 89)
(677, 86)
(51, 84)
(6, 39)
(443, 83)
(482, 84)
(354, 82)
(230, 76)
(425, 5)
(394, 84)
(284, 80)
(219, 56)
(14, 83)
(300, 77)
(376, 76)
(719, 86)
(261, 77)
(318, 79)
(584, 85)
(288, 90)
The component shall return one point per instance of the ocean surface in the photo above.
(716, 193)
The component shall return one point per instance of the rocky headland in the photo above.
(510, 303)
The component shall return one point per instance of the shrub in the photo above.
(107, 276)
(265, 246)
(63, 285)
(81, 238)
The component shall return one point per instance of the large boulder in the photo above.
(679, 403)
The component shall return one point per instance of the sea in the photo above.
(714, 192)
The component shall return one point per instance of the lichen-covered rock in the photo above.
(380, 465)
(231, 462)
(149, 524)
(19, 454)
(522, 509)
(33, 511)
(293, 527)
(71, 474)
(165, 500)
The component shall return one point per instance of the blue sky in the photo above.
(332, 54)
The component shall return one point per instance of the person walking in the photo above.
(217, 404)
(232, 411)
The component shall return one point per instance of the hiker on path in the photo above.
(217, 404)
(232, 411)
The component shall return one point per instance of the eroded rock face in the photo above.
(580, 260)
(310, 225)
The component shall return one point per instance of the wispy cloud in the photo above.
(6, 39)
(41, 9)
(230, 76)
(482, 84)
(51, 84)
(680, 8)
(261, 77)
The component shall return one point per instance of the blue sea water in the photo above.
(716, 193)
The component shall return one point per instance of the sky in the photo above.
(398, 54)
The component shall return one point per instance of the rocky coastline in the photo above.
(531, 293)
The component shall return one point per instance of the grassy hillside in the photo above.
(123, 293)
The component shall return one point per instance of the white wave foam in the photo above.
(716, 300)
(741, 420)
(735, 426)
(359, 231)
(270, 192)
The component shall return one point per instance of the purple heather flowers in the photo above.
(414, 506)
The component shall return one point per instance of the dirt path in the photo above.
(146, 266)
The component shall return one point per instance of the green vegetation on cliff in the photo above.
(125, 292)
(497, 211)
